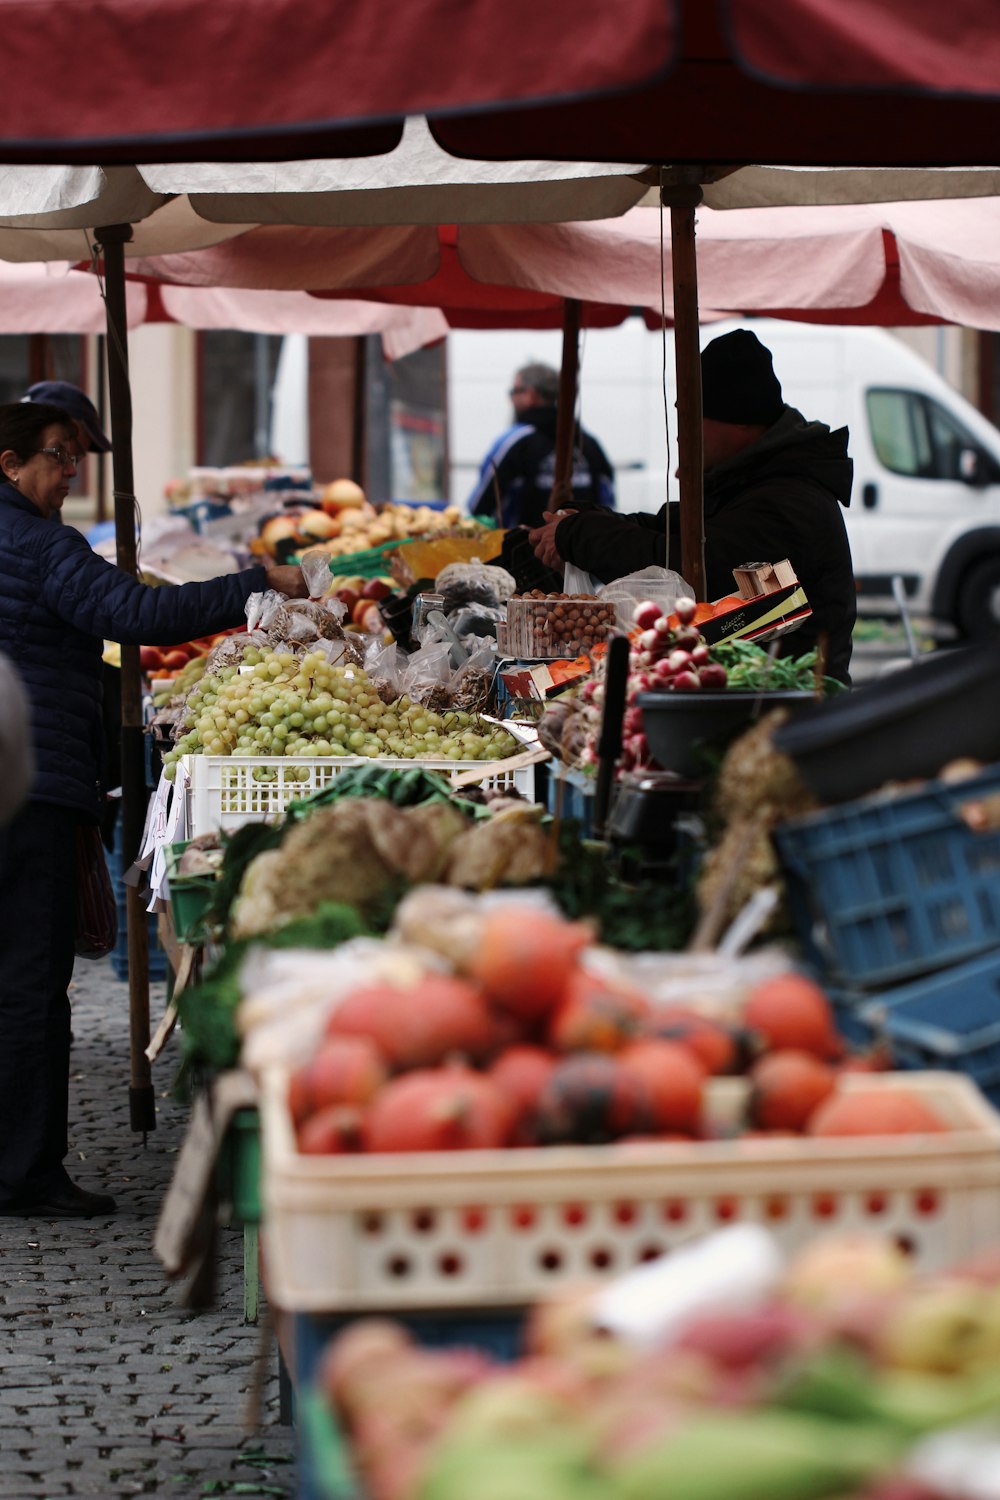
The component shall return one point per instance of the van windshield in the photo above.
(913, 434)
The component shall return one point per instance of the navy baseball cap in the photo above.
(72, 400)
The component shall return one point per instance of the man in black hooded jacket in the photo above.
(774, 487)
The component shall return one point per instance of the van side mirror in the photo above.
(973, 467)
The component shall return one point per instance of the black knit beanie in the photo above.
(738, 383)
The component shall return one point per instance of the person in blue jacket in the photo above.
(517, 474)
(59, 601)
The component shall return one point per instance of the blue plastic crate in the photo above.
(571, 793)
(891, 887)
(119, 953)
(949, 1021)
(849, 1014)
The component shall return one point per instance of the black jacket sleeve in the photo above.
(609, 546)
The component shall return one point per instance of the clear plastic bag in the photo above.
(262, 608)
(428, 673)
(315, 565)
(576, 581)
(473, 583)
(662, 585)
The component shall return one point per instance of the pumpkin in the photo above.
(672, 1080)
(438, 1109)
(525, 956)
(786, 1088)
(590, 1099)
(345, 1070)
(888, 1111)
(521, 1073)
(419, 1025)
(790, 1010)
(598, 1015)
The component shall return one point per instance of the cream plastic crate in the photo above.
(505, 1228)
(225, 791)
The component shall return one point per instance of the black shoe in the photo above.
(64, 1200)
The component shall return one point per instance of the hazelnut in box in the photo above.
(557, 625)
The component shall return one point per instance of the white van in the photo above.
(926, 500)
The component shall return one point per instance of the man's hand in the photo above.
(543, 539)
(288, 580)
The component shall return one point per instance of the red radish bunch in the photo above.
(668, 655)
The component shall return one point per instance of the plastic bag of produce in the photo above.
(315, 565)
(385, 665)
(473, 583)
(478, 620)
(427, 675)
(262, 608)
(662, 585)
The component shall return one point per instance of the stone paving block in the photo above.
(89, 1324)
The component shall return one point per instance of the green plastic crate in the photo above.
(191, 896)
(369, 564)
(238, 1167)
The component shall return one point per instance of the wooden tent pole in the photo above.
(562, 486)
(682, 200)
(142, 1104)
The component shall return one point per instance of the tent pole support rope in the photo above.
(682, 200)
(142, 1103)
(562, 486)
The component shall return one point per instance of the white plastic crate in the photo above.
(505, 1228)
(225, 791)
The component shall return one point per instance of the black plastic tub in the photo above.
(905, 725)
(682, 727)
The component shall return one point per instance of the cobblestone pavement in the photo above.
(108, 1387)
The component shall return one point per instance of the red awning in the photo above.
(156, 80)
(797, 82)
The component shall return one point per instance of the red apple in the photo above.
(174, 659)
(150, 658)
(376, 588)
(349, 597)
(366, 614)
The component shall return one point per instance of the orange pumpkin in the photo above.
(438, 1109)
(525, 957)
(888, 1111)
(786, 1088)
(419, 1025)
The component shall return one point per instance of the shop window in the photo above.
(236, 373)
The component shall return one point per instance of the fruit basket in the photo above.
(226, 791)
(503, 1228)
(892, 886)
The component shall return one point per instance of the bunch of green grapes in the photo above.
(278, 704)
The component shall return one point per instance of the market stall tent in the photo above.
(54, 297)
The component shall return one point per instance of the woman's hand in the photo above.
(288, 580)
(543, 539)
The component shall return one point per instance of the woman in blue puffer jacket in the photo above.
(59, 602)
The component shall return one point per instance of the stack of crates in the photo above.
(896, 898)
(119, 953)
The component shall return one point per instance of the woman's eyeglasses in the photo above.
(63, 457)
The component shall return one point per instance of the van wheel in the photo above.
(979, 600)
